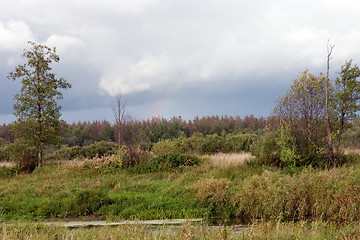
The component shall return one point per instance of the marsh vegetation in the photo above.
(294, 174)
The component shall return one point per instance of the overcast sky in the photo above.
(177, 57)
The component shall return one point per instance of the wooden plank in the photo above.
(77, 224)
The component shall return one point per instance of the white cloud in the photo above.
(14, 35)
(121, 7)
(63, 43)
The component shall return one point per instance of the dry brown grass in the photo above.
(351, 151)
(7, 164)
(229, 159)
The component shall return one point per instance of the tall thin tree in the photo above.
(119, 111)
(331, 158)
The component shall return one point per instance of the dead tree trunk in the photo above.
(119, 113)
(330, 150)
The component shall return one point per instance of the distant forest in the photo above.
(147, 132)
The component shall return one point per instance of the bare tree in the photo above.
(119, 111)
(331, 158)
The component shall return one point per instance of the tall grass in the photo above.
(228, 159)
(330, 194)
(183, 190)
(261, 230)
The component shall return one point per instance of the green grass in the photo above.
(248, 192)
(57, 192)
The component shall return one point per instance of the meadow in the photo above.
(276, 203)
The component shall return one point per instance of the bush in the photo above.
(97, 149)
(135, 156)
(66, 153)
(215, 195)
(86, 202)
(7, 172)
(266, 149)
(166, 146)
(22, 154)
(3, 144)
(239, 142)
(167, 162)
(212, 144)
(194, 143)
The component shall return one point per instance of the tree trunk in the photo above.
(40, 154)
(331, 159)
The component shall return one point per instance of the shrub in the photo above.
(194, 143)
(166, 146)
(87, 201)
(167, 162)
(238, 142)
(266, 149)
(135, 156)
(214, 194)
(99, 149)
(212, 144)
(66, 153)
(7, 172)
(22, 154)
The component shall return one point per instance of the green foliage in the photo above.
(7, 172)
(66, 153)
(198, 144)
(212, 144)
(346, 98)
(266, 150)
(3, 144)
(287, 144)
(194, 143)
(98, 149)
(215, 195)
(238, 142)
(166, 147)
(62, 191)
(303, 109)
(166, 189)
(167, 162)
(87, 201)
(23, 154)
(36, 107)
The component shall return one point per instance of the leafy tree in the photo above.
(303, 109)
(346, 97)
(36, 106)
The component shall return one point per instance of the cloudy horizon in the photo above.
(177, 58)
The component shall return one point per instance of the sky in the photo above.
(176, 57)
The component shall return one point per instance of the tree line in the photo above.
(150, 131)
(308, 126)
